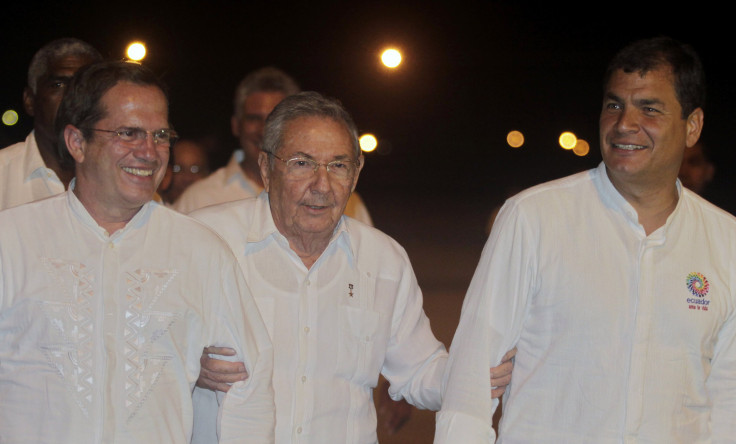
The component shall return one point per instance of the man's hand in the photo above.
(216, 374)
(397, 412)
(501, 375)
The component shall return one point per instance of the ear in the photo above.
(75, 142)
(694, 126)
(265, 168)
(361, 162)
(28, 99)
(166, 181)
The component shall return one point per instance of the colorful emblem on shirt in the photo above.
(699, 286)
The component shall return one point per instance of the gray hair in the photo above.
(54, 50)
(306, 104)
(268, 79)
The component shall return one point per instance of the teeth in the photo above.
(628, 147)
(138, 171)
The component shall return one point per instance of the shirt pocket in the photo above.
(357, 345)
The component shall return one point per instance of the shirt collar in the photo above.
(33, 165)
(81, 213)
(263, 227)
(613, 199)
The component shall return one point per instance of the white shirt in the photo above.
(101, 336)
(618, 342)
(23, 175)
(356, 313)
(229, 183)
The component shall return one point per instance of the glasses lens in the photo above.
(163, 136)
(131, 134)
(300, 167)
(341, 169)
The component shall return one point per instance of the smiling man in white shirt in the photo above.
(339, 298)
(107, 298)
(617, 285)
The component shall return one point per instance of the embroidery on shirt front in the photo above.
(143, 327)
(70, 350)
(699, 287)
(350, 290)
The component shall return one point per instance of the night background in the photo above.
(471, 72)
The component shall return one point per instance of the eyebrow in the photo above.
(303, 154)
(644, 101)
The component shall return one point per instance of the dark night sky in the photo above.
(472, 72)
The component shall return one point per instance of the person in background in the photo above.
(34, 169)
(188, 163)
(697, 170)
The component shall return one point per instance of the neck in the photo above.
(109, 218)
(308, 248)
(653, 202)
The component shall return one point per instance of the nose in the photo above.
(146, 149)
(321, 179)
(627, 121)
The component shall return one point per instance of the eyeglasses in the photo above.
(303, 168)
(163, 136)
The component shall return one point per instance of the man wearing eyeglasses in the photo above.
(339, 298)
(255, 97)
(107, 298)
(33, 169)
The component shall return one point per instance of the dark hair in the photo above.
(81, 105)
(306, 104)
(647, 55)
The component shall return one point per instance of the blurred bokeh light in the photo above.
(10, 117)
(136, 51)
(581, 148)
(368, 142)
(391, 58)
(568, 140)
(515, 139)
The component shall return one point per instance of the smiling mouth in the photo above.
(142, 172)
(627, 147)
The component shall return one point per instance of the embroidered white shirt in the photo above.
(229, 183)
(356, 313)
(23, 175)
(622, 337)
(101, 335)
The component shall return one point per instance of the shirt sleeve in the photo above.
(490, 323)
(415, 359)
(722, 384)
(247, 409)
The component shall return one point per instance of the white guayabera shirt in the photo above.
(622, 337)
(356, 313)
(101, 335)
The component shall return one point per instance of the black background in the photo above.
(472, 72)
